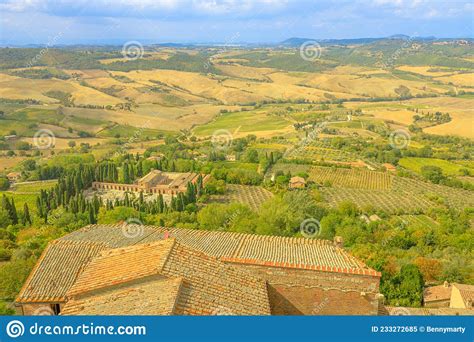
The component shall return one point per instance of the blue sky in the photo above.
(226, 21)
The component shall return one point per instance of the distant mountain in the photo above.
(295, 41)
(298, 41)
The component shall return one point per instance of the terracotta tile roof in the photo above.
(153, 297)
(297, 179)
(213, 287)
(274, 251)
(208, 285)
(437, 293)
(56, 270)
(99, 265)
(116, 266)
(269, 250)
(150, 176)
(113, 238)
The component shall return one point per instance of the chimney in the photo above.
(446, 284)
(166, 235)
(338, 241)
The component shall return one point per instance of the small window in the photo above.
(56, 309)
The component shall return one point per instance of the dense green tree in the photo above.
(26, 218)
(4, 183)
(432, 173)
(405, 288)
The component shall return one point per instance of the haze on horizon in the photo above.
(49, 22)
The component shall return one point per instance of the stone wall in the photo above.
(295, 291)
(37, 309)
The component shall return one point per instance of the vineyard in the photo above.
(404, 196)
(319, 153)
(452, 197)
(288, 167)
(421, 221)
(253, 196)
(389, 201)
(351, 178)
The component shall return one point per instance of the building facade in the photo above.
(156, 182)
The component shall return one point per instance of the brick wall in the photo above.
(301, 277)
(37, 309)
(307, 292)
(300, 300)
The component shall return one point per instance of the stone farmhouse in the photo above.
(155, 182)
(171, 271)
(452, 295)
(297, 183)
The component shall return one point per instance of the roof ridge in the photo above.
(238, 245)
(210, 257)
(290, 239)
(119, 250)
(61, 241)
(336, 269)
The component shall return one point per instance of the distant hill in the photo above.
(296, 41)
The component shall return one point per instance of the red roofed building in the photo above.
(454, 295)
(166, 271)
(297, 183)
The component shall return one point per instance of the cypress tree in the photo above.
(13, 213)
(92, 219)
(126, 174)
(26, 214)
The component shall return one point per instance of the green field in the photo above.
(21, 199)
(415, 164)
(33, 187)
(248, 122)
(135, 133)
(37, 115)
(236, 165)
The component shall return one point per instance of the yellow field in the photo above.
(463, 80)
(9, 162)
(175, 100)
(88, 73)
(425, 70)
(461, 111)
(62, 143)
(367, 86)
(402, 116)
(23, 88)
(240, 71)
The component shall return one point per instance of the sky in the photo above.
(49, 22)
